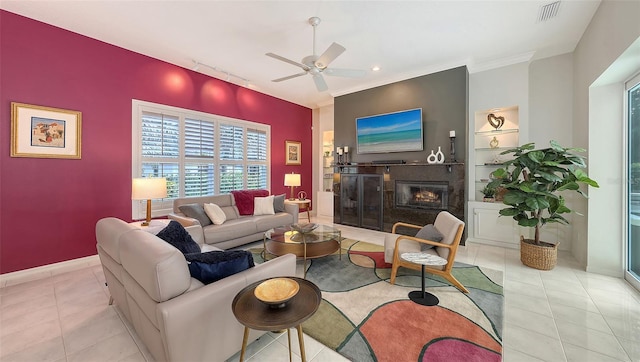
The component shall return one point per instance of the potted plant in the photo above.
(534, 180)
(489, 193)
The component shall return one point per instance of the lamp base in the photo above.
(148, 220)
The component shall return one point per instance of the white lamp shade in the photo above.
(148, 188)
(292, 179)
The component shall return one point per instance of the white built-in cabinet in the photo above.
(488, 141)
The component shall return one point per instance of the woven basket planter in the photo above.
(538, 257)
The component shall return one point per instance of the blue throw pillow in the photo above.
(176, 235)
(214, 265)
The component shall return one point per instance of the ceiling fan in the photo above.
(317, 65)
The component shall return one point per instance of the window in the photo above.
(200, 154)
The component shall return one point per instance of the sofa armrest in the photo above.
(200, 325)
(185, 221)
(292, 209)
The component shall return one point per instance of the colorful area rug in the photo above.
(365, 318)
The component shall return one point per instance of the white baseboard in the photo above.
(46, 271)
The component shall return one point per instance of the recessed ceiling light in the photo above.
(375, 68)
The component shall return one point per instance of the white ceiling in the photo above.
(405, 38)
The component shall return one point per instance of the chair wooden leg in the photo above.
(455, 282)
(394, 271)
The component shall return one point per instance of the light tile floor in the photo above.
(565, 314)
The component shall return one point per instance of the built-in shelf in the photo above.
(497, 132)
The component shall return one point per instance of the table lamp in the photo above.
(145, 188)
(293, 180)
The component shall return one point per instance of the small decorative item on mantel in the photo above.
(436, 157)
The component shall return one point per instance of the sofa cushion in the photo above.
(244, 199)
(176, 235)
(196, 211)
(429, 232)
(278, 203)
(231, 229)
(266, 222)
(215, 213)
(215, 265)
(263, 205)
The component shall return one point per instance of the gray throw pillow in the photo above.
(195, 211)
(429, 232)
(278, 203)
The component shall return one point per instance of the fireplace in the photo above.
(422, 195)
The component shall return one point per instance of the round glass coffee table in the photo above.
(321, 241)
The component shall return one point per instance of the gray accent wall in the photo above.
(443, 97)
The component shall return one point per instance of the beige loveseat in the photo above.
(237, 229)
(176, 316)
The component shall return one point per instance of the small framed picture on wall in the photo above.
(292, 152)
(45, 132)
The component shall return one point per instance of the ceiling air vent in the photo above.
(548, 11)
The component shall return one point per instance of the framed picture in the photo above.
(45, 132)
(292, 152)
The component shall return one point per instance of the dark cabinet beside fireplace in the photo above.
(359, 202)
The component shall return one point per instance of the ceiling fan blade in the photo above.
(289, 77)
(329, 55)
(351, 73)
(276, 56)
(320, 83)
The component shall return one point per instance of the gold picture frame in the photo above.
(292, 152)
(45, 132)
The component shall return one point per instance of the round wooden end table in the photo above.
(421, 296)
(254, 314)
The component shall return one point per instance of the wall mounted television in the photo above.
(390, 132)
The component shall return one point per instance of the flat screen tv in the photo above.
(390, 132)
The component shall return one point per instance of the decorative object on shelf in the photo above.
(534, 181)
(293, 153)
(452, 138)
(432, 158)
(439, 156)
(327, 153)
(148, 188)
(45, 132)
(339, 153)
(494, 143)
(276, 292)
(302, 195)
(495, 122)
(292, 180)
(489, 193)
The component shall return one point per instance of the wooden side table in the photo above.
(304, 205)
(252, 313)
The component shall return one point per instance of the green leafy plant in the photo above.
(534, 180)
(489, 191)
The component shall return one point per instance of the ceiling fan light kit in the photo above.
(316, 65)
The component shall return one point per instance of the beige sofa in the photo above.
(176, 316)
(237, 229)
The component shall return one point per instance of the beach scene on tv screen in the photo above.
(391, 132)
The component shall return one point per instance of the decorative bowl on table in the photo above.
(304, 228)
(276, 292)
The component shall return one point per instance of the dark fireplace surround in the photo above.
(431, 189)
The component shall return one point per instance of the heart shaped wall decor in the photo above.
(495, 122)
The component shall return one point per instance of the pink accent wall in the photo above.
(49, 207)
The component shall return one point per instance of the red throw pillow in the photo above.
(244, 199)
